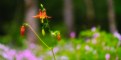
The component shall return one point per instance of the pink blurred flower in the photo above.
(19, 56)
(64, 58)
(87, 47)
(4, 48)
(27, 54)
(93, 29)
(117, 35)
(107, 56)
(40, 58)
(56, 49)
(50, 53)
(9, 55)
(96, 35)
(72, 34)
(32, 46)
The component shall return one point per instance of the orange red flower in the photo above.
(42, 15)
(58, 37)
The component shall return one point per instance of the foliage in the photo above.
(92, 44)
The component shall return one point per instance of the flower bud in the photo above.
(43, 32)
(22, 30)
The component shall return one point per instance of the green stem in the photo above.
(38, 36)
(53, 54)
(40, 39)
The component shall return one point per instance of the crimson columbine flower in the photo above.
(22, 30)
(42, 15)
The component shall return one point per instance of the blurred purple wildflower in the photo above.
(87, 48)
(72, 34)
(3, 47)
(56, 49)
(93, 29)
(96, 35)
(69, 47)
(107, 56)
(40, 58)
(27, 54)
(64, 58)
(9, 55)
(117, 35)
(32, 46)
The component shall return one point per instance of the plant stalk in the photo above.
(41, 40)
(53, 53)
